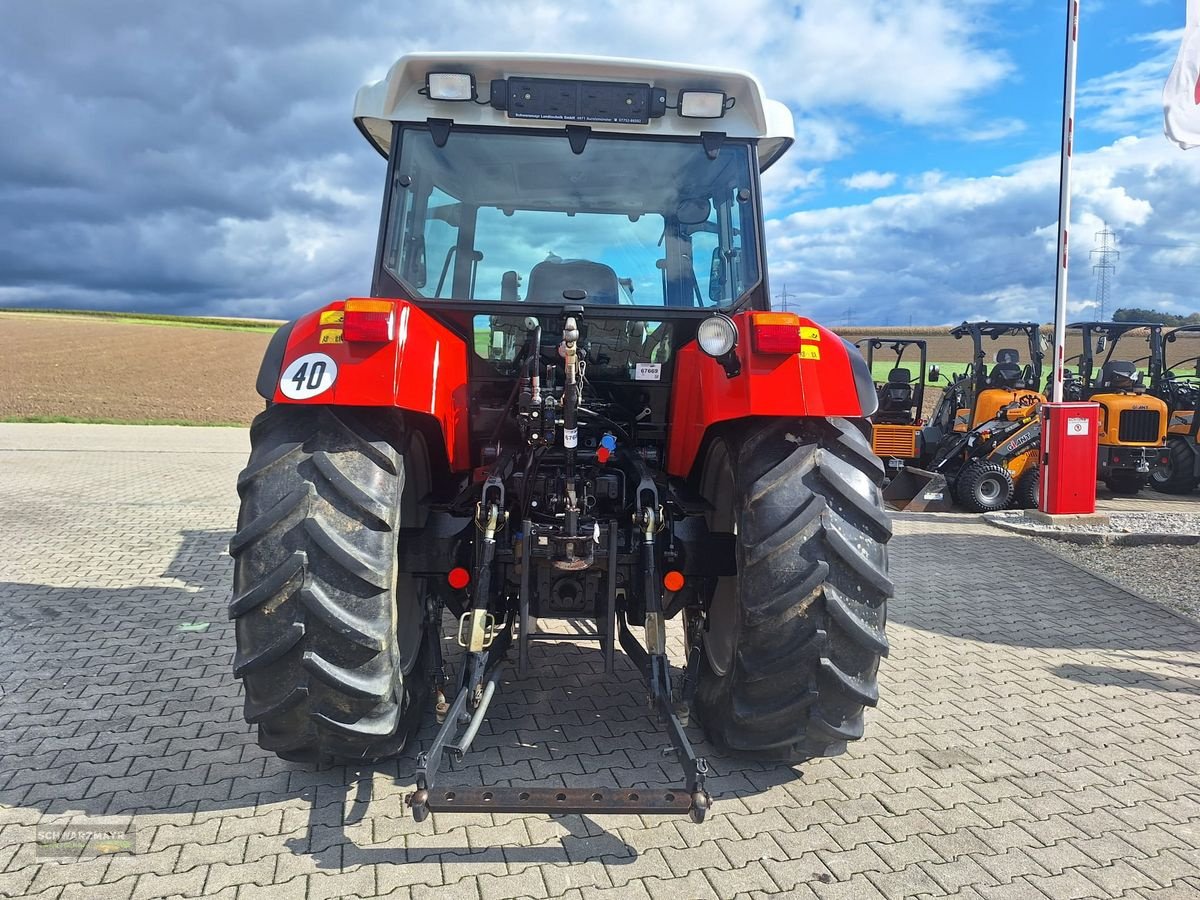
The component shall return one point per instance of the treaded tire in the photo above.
(1179, 476)
(1126, 482)
(1026, 495)
(794, 639)
(984, 486)
(329, 634)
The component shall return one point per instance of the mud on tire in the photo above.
(794, 639)
(329, 634)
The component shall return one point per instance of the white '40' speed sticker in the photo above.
(307, 376)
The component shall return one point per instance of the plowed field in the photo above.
(94, 369)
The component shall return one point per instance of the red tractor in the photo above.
(566, 398)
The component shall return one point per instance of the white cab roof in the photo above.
(397, 97)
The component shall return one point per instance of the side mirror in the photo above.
(716, 276)
(1101, 343)
(694, 212)
(935, 372)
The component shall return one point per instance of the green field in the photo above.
(950, 370)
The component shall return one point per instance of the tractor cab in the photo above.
(896, 425)
(1112, 370)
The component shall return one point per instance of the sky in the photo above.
(200, 158)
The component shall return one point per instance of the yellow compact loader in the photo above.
(1133, 422)
(980, 445)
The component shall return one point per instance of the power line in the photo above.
(1106, 255)
(782, 296)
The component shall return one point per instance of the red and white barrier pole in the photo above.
(1073, 440)
(1064, 198)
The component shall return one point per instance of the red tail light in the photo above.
(458, 578)
(369, 321)
(775, 333)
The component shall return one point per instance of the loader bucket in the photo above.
(918, 490)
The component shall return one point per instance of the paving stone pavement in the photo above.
(1038, 734)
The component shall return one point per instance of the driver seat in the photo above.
(1005, 374)
(549, 278)
(1119, 375)
(895, 398)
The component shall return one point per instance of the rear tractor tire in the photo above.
(793, 641)
(984, 486)
(330, 636)
(1179, 475)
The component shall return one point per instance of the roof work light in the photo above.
(702, 104)
(455, 86)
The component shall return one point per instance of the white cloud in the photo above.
(1130, 100)
(984, 247)
(994, 130)
(230, 174)
(870, 180)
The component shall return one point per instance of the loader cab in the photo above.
(1178, 384)
(1179, 387)
(1117, 365)
(1002, 379)
(900, 385)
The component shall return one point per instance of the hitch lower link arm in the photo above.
(483, 669)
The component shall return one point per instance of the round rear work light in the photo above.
(717, 335)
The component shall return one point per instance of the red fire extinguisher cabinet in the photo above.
(1067, 483)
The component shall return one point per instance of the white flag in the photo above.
(1181, 96)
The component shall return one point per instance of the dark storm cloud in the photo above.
(199, 156)
(142, 139)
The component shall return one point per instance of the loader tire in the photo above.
(984, 486)
(1179, 475)
(1026, 496)
(793, 640)
(330, 636)
(1126, 481)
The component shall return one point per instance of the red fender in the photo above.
(828, 377)
(422, 369)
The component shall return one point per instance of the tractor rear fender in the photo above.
(828, 377)
(422, 368)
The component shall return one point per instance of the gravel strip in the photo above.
(1167, 574)
(1118, 523)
